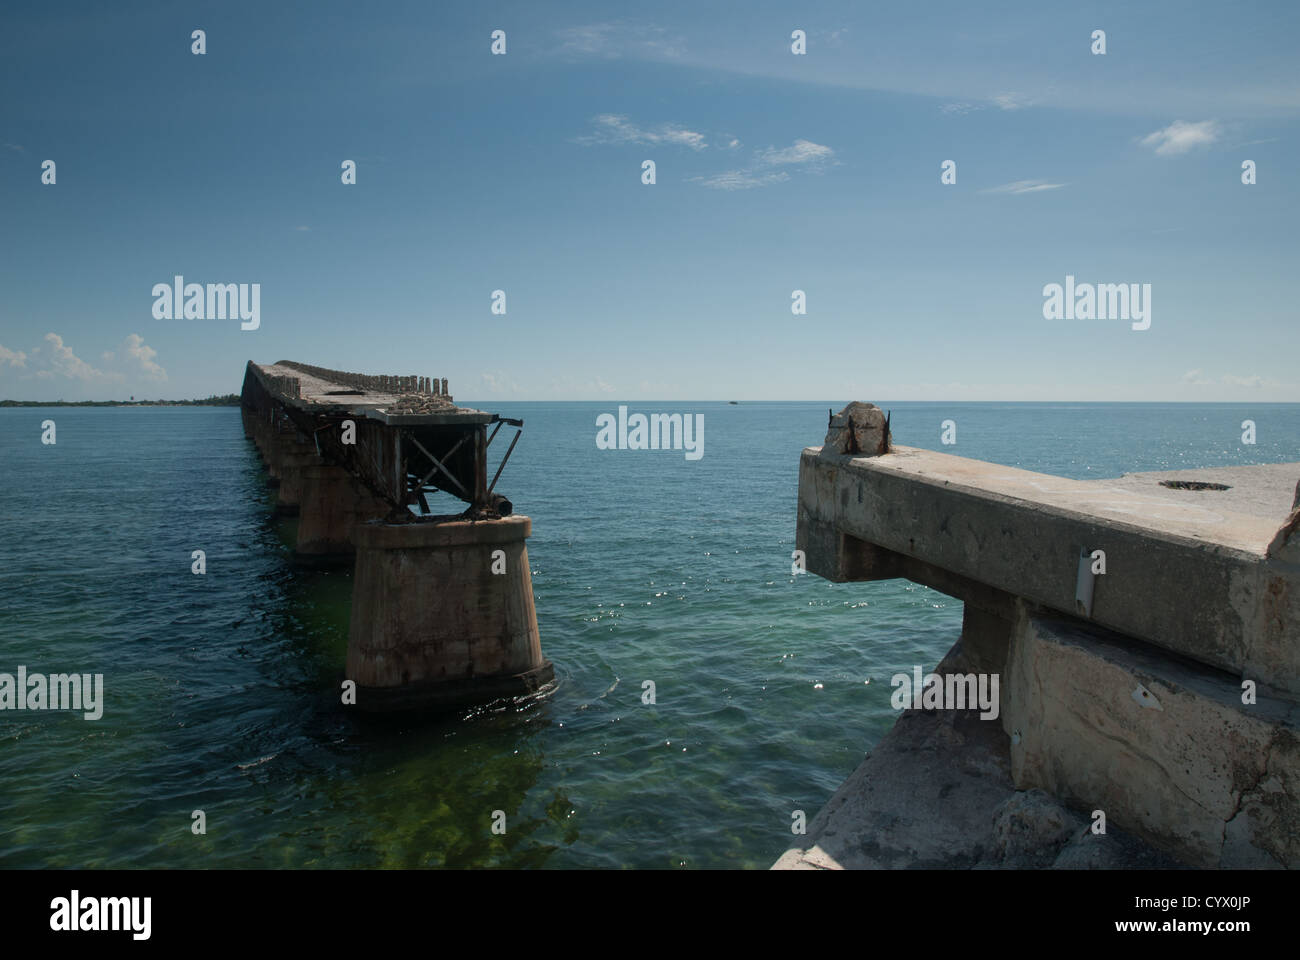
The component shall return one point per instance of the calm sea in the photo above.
(222, 690)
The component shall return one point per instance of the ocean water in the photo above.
(222, 690)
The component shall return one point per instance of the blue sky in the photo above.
(774, 172)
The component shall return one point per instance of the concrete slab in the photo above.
(1189, 573)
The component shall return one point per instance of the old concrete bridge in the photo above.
(442, 606)
(1147, 633)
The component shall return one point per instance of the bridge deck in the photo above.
(402, 437)
(320, 395)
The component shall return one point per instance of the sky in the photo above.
(775, 172)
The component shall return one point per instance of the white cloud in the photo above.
(765, 171)
(15, 358)
(136, 358)
(65, 363)
(1179, 137)
(1023, 186)
(799, 152)
(615, 128)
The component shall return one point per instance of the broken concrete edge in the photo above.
(1285, 546)
(936, 793)
(1190, 777)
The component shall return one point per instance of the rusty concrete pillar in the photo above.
(443, 615)
(280, 436)
(294, 461)
(331, 504)
(262, 435)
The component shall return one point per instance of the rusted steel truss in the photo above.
(399, 463)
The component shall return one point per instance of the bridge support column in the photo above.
(443, 615)
(294, 463)
(331, 504)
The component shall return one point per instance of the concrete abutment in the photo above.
(443, 615)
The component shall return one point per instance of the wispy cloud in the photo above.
(1024, 186)
(740, 179)
(799, 152)
(498, 382)
(571, 386)
(767, 166)
(619, 39)
(1013, 101)
(1255, 382)
(1197, 378)
(1003, 101)
(1180, 137)
(616, 128)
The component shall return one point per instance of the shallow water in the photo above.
(222, 690)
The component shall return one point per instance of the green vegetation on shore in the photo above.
(226, 400)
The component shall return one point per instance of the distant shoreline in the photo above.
(228, 400)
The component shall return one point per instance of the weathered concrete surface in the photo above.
(333, 502)
(1163, 745)
(937, 792)
(860, 429)
(443, 614)
(294, 464)
(1125, 698)
(1192, 577)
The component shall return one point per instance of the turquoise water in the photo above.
(222, 690)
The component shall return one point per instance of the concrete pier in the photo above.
(1146, 633)
(294, 462)
(333, 502)
(442, 614)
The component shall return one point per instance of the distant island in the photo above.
(225, 400)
